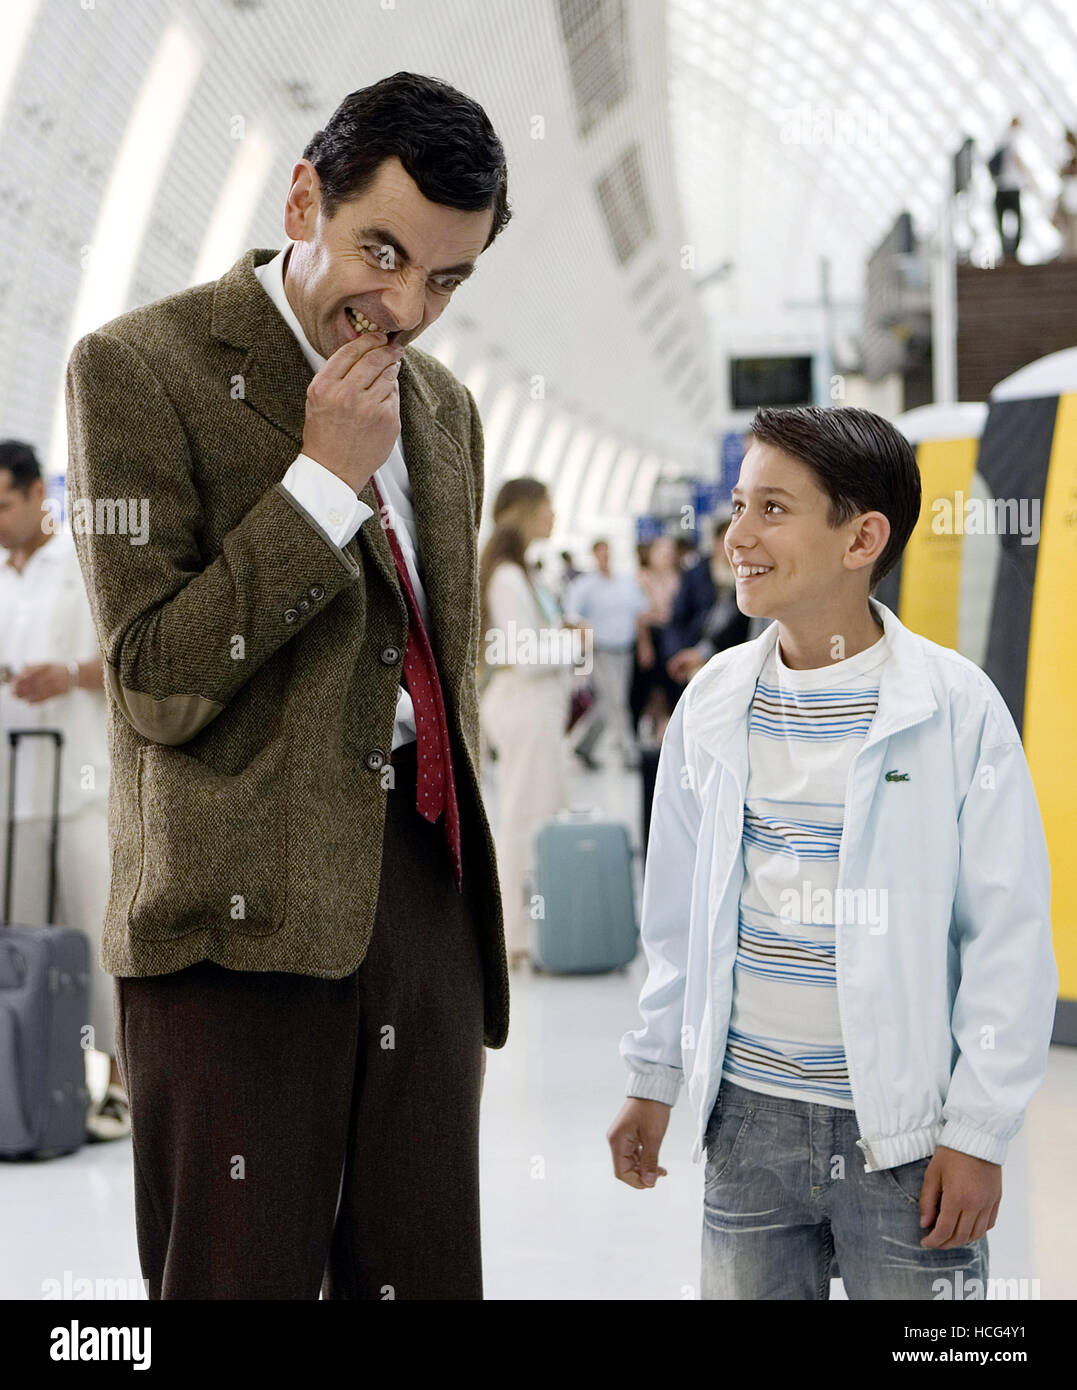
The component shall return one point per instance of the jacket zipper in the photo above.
(860, 1143)
(739, 850)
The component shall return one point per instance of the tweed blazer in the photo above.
(251, 664)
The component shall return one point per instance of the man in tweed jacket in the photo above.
(302, 992)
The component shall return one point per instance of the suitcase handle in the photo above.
(14, 735)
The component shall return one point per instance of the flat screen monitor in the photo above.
(762, 381)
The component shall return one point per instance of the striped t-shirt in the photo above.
(804, 730)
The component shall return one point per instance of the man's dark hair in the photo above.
(861, 461)
(443, 138)
(21, 461)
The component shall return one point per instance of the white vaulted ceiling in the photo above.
(147, 143)
(802, 128)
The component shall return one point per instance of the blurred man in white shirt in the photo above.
(611, 604)
(52, 679)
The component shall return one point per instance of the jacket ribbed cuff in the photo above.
(649, 1086)
(967, 1139)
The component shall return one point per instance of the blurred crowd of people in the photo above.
(619, 648)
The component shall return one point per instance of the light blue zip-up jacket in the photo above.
(946, 1015)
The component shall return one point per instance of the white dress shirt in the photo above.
(334, 504)
(45, 617)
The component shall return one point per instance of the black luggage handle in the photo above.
(13, 738)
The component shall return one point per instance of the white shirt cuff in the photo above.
(329, 499)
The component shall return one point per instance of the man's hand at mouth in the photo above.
(353, 409)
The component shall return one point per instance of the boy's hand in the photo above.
(635, 1138)
(970, 1189)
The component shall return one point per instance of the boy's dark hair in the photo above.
(861, 461)
(443, 138)
(21, 461)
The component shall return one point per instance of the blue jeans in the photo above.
(786, 1196)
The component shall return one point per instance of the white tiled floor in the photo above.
(556, 1225)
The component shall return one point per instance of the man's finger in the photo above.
(348, 354)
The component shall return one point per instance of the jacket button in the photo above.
(375, 758)
(390, 655)
(304, 605)
(316, 592)
(290, 615)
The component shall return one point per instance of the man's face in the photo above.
(20, 513)
(602, 557)
(780, 523)
(391, 256)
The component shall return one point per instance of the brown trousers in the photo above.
(293, 1134)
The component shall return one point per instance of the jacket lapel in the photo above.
(274, 380)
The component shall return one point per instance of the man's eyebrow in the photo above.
(766, 487)
(387, 239)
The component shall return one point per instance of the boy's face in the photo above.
(780, 524)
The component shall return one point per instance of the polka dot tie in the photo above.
(435, 790)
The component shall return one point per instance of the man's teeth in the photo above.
(743, 571)
(356, 319)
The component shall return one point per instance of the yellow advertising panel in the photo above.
(931, 565)
(1050, 724)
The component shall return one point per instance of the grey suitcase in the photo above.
(44, 1005)
(584, 877)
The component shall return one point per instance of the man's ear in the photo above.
(303, 201)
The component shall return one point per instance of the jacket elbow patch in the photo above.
(171, 720)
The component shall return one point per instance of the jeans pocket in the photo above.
(908, 1178)
(725, 1135)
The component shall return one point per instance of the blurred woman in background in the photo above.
(525, 679)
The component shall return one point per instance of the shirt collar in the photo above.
(54, 551)
(719, 719)
(271, 274)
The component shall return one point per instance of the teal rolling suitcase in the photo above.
(586, 917)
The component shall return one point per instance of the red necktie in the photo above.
(435, 789)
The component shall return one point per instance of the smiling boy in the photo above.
(846, 905)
